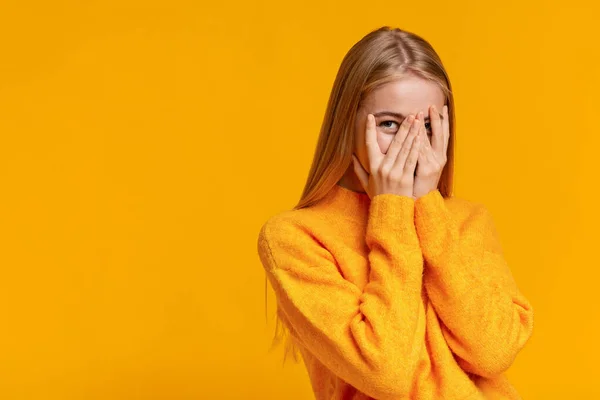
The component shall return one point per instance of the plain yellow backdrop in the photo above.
(144, 143)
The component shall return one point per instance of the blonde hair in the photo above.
(383, 55)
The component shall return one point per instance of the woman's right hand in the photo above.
(392, 172)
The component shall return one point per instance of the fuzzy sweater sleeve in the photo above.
(486, 319)
(370, 338)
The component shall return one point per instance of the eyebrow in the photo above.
(399, 115)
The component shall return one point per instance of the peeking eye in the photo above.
(428, 126)
(386, 122)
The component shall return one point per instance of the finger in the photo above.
(360, 172)
(422, 159)
(446, 128)
(437, 136)
(400, 160)
(421, 154)
(428, 155)
(413, 156)
(426, 147)
(398, 140)
(373, 150)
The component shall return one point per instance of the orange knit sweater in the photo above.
(392, 298)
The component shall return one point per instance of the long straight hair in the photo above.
(382, 56)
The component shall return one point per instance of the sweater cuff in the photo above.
(392, 214)
(432, 219)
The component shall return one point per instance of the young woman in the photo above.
(387, 285)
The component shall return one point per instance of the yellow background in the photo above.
(143, 144)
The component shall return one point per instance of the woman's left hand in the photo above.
(433, 156)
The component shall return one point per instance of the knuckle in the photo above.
(374, 169)
(384, 170)
(406, 179)
(428, 172)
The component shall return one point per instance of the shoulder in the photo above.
(475, 218)
(288, 236)
(278, 226)
(288, 223)
(291, 223)
(466, 210)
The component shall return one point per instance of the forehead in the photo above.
(406, 95)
